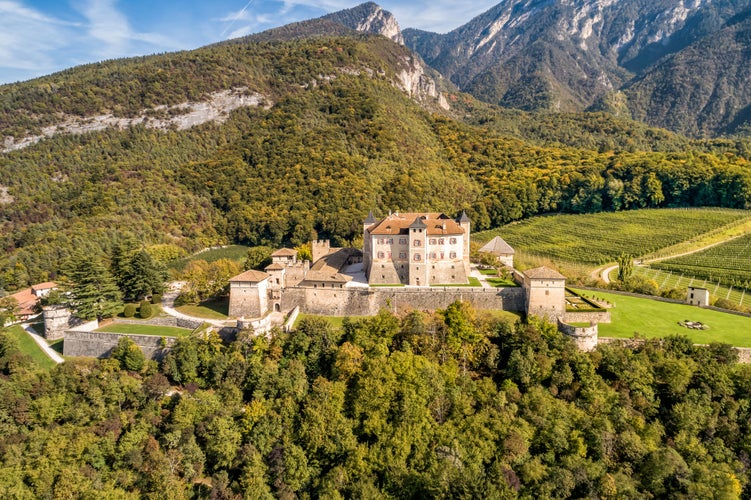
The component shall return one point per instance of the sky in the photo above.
(39, 37)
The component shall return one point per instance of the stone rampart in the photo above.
(190, 324)
(100, 344)
(368, 301)
(586, 317)
(585, 337)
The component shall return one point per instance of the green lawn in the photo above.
(472, 282)
(29, 347)
(488, 272)
(651, 318)
(161, 331)
(57, 345)
(210, 309)
(501, 282)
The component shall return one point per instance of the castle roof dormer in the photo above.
(463, 217)
(419, 223)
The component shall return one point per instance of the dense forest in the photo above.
(336, 140)
(453, 404)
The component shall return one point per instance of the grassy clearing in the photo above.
(471, 282)
(501, 282)
(488, 272)
(210, 309)
(57, 345)
(30, 348)
(596, 239)
(159, 331)
(650, 318)
(238, 253)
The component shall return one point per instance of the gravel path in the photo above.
(43, 344)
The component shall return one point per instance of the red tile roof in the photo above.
(399, 223)
(543, 273)
(251, 276)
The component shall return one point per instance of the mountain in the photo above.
(294, 134)
(576, 54)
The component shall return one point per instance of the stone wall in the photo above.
(585, 337)
(100, 344)
(190, 324)
(57, 320)
(366, 302)
(585, 317)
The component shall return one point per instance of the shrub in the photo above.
(145, 311)
(156, 298)
(129, 355)
(129, 310)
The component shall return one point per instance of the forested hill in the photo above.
(336, 133)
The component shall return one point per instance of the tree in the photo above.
(92, 292)
(129, 355)
(145, 310)
(625, 267)
(8, 310)
(143, 276)
(257, 257)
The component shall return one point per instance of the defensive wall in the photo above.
(368, 301)
(585, 337)
(100, 344)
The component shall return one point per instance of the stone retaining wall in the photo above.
(100, 344)
(584, 317)
(368, 301)
(162, 321)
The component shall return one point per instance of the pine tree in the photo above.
(91, 291)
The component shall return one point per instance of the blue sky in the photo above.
(38, 37)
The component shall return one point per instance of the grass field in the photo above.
(501, 282)
(237, 253)
(161, 331)
(728, 263)
(210, 309)
(29, 347)
(596, 239)
(651, 318)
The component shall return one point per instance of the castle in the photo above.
(416, 249)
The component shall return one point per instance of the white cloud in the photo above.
(27, 37)
(112, 34)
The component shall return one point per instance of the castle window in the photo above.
(452, 255)
(547, 292)
(417, 243)
(443, 255)
(432, 241)
(440, 241)
(402, 255)
(380, 255)
(417, 257)
(402, 241)
(452, 241)
(432, 255)
(391, 241)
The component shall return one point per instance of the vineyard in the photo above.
(667, 280)
(596, 239)
(728, 263)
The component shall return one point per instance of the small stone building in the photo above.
(696, 296)
(501, 250)
(249, 294)
(546, 292)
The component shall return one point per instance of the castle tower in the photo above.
(366, 243)
(464, 222)
(418, 268)
(545, 292)
(319, 248)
